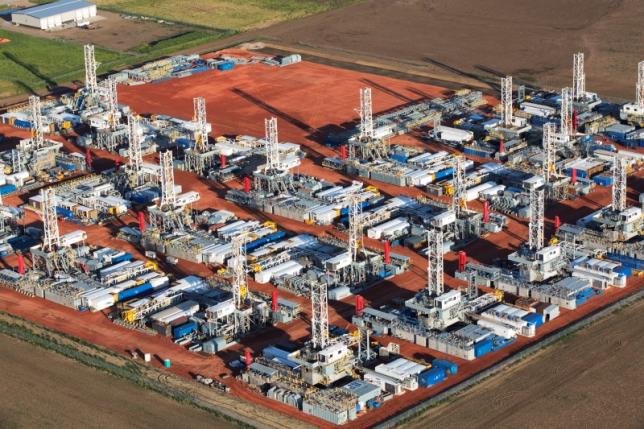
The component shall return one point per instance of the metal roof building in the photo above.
(55, 15)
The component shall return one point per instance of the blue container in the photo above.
(450, 367)
(134, 291)
(64, 212)
(399, 157)
(198, 69)
(345, 210)
(120, 258)
(18, 123)
(144, 197)
(534, 318)
(584, 296)
(442, 174)
(7, 189)
(184, 329)
(184, 143)
(227, 65)
(66, 165)
(624, 270)
(431, 377)
(603, 180)
(278, 235)
(580, 173)
(627, 261)
(22, 242)
(483, 347)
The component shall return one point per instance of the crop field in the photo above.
(84, 397)
(28, 63)
(239, 15)
(563, 386)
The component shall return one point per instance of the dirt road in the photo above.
(43, 389)
(591, 379)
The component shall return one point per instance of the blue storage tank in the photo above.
(120, 258)
(7, 189)
(184, 329)
(227, 65)
(450, 367)
(534, 318)
(483, 347)
(431, 377)
(64, 212)
(134, 291)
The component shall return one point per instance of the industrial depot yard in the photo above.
(188, 122)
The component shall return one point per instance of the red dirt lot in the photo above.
(308, 99)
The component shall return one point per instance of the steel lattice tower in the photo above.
(51, 236)
(535, 227)
(112, 100)
(506, 101)
(639, 96)
(578, 77)
(355, 227)
(90, 69)
(201, 131)
(239, 283)
(135, 157)
(549, 131)
(168, 194)
(366, 115)
(435, 262)
(459, 199)
(619, 184)
(565, 122)
(320, 319)
(37, 135)
(272, 145)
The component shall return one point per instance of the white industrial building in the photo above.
(56, 14)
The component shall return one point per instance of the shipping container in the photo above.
(134, 291)
(483, 347)
(603, 180)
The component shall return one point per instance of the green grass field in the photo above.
(239, 15)
(28, 63)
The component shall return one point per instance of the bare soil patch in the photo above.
(531, 40)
